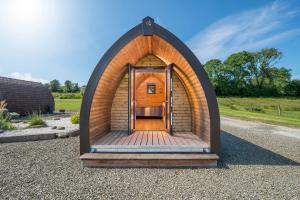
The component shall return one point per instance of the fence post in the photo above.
(279, 110)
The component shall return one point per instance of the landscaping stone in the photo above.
(14, 115)
(60, 128)
(24, 138)
(54, 127)
(16, 121)
(74, 133)
(62, 110)
(1, 131)
(37, 126)
(62, 135)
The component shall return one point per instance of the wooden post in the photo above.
(279, 110)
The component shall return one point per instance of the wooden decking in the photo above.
(150, 142)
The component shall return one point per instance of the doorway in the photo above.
(150, 99)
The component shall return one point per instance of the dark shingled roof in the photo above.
(25, 97)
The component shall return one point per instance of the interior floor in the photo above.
(150, 141)
(151, 124)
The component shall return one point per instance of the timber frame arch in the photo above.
(172, 50)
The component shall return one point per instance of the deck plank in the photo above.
(155, 138)
(139, 138)
(172, 140)
(133, 138)
(149, 138)
(161, 140)
(145, 138)
(166, 138)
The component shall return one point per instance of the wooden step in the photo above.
(149, 160)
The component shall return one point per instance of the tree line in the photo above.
(67, 87)
(252, 74)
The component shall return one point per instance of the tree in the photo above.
(264, 59)
(219, 76)
(279, 78)
(68, 86)
(54, 86)
(238, 66)
(75, 87)
(293, 88)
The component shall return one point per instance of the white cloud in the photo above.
(27, 77)
(247, 30)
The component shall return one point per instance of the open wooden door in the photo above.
(169, 99)
(131, 99)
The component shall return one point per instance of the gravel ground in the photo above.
(22, 130)
(252, 166)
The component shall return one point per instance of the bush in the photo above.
(254, 109)
(5, 122)
(67, 95)
(75, 119)
(36, 119)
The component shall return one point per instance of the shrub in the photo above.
(254, 109)
(67, 95)
(36, 119)
(75, 119)
(5, 122)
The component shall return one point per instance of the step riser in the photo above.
(150, 163)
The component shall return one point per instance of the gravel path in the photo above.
(262, 128)
(253, 166)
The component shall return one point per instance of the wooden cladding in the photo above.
(133, 52)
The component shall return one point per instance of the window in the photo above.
(151, 88)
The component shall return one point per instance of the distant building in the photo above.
(25, 97)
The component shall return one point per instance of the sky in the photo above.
(42, 40)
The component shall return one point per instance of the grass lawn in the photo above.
(68, 104)
(283, 111)
(255, 109)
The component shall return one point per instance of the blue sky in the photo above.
(54, 39)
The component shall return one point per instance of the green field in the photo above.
(68, 104)
(282, 111)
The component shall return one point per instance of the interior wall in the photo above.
(182, 111)
(143, 99)
(119, 109)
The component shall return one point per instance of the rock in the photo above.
(74, 133)
(37, 126)
(54, 127)
(1, 131)
(17, 121)
(62, 110)
(14, 115)
(62, 135)
(60, 128)
(56, 118)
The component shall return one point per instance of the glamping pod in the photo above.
(25, 97)
(149, 102)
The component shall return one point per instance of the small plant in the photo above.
(3, 104)
(36, 119)
(5, 122)
(75, 118)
